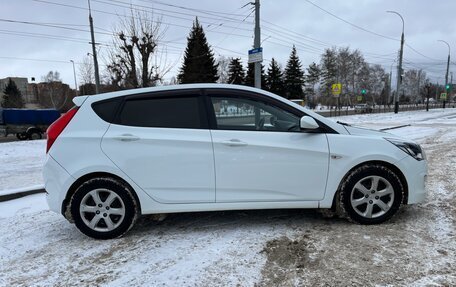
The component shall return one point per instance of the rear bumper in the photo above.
(56, 182)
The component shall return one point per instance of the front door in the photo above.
(262, 155)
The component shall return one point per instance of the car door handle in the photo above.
(126, 138)
(234, 142)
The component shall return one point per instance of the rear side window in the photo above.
(107, 109)
(169, 112)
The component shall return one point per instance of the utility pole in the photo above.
(75, 82)
(391, 83)
(257, 44)
(399, 74)
(447, 71)
(450, 93)
(94, 52)
(399, 66)
(428, 94)
(390, 87)
(418, 86)
(446, 80)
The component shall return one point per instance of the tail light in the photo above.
(57, 127)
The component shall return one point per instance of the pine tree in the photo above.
(13, 96)
(236, 72)
(250, 78)
(294, 77)
(199, 64)
(310, 80)
(274, 79)
(328, 70)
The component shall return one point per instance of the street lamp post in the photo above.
(399, 66)
(447, 70)
(74, 74)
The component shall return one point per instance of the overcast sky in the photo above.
(32, 50)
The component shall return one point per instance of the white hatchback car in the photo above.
(206, 147)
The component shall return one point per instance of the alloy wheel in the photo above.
(372, 196)
(102, 210)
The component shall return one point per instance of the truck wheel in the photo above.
(21, 136)
(35, 135)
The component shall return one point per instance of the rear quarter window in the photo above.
(107, 109)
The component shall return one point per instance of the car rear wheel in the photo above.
(104, 208)
(371, 194)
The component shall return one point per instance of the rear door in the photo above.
(162, 142)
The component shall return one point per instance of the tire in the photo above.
(370, 194)
(34, 135)
(95, 217)
(21, 136)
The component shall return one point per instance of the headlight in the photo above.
(410, 148)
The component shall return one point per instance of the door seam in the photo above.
(215, 170)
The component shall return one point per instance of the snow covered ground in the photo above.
(246, 248)
(21, 164)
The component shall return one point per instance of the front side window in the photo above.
(165, 112)
(249, 114)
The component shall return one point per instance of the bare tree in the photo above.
(223, 63)
(52, 93)
(51, 76)
(413, 81)
(86, 74)
(376, 82)
(133, 62)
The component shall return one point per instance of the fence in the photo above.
(346, 111)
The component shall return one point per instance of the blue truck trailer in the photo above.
(26, 123)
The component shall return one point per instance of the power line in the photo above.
(208, 12)
(48, 25)
(142, 7)
(294, 34)
(46, 36)
(411, 48)
(366, 30)
(49, 36)
(117, 15)
(38, 60)
(350, 23)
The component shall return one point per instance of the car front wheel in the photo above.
(103, 208)
(371, 194)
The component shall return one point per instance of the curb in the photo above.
(17, 195)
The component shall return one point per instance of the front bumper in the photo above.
(56, 183)
(415, 173)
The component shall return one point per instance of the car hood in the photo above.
(366, 132)
(361, 131)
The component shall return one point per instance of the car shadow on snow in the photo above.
(210, 221)
(245, 218)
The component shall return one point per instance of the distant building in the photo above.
(22, 84)
(54, 95)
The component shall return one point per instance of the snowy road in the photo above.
(246, 248)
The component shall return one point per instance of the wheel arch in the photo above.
(388, 165)
(65, 209)
(31, 130)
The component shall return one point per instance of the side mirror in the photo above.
(308, 123)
